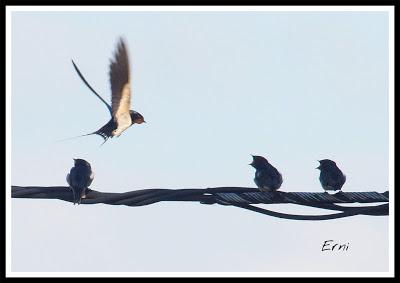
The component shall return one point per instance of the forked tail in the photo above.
(94, 133)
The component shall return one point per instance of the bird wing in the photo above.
(340, 179)
(90, 179)
(276, 177)
(269, 177)
(67, 178)
(73, 178)
(90, 87)
(333, 178)
(120, 86)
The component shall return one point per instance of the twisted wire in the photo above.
(233, 196)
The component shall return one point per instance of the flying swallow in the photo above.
(267, 177)
(121, 115)
(79, 179)
(331, 177)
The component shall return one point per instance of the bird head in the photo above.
(326, 163)
(81, 162)
(136, 117)
(258, 161)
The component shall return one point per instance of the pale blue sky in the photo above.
(214, 87)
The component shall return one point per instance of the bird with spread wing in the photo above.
(122, 117)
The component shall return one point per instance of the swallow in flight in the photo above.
(122, 117)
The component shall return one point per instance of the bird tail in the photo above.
(94, 133)
(78, 195)
(82, 195)
(70, 138)
(73, 194)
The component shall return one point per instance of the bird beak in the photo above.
(319, 167)
(252, 163)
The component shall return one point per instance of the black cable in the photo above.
(234, 196)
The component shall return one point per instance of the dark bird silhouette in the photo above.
(331, 177)
(121, 115)
(79, 179)
(267, 177)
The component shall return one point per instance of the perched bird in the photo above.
(331, 177)
(267, 177)
(79, 179)
(121, 115)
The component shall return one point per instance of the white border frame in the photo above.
(10, 9)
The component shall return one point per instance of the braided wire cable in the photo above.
(233, 196)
